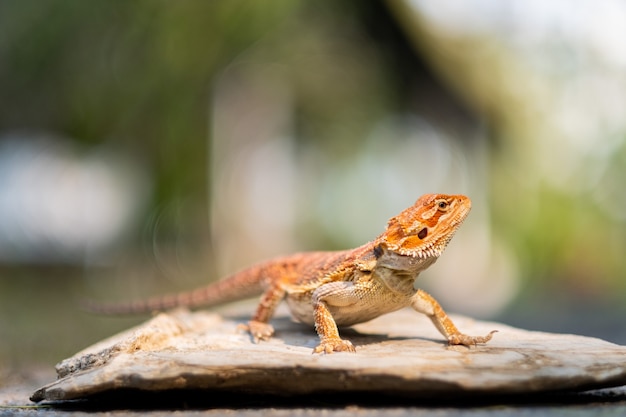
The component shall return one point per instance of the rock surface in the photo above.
(400, 353)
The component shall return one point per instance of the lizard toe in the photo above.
(334, 345)
(465, 340)
(258, 330)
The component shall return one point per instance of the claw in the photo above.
(465, 340)
(258, 330)
(334, 345)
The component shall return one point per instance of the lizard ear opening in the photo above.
(378, 251)
(423, 233)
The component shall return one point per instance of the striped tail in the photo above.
(242, 285)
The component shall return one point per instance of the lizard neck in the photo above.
(395, 271)
(399, 272)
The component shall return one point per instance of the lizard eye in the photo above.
(443, 205)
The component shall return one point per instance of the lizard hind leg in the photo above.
(259, 327)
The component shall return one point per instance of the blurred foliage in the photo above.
(135, 74)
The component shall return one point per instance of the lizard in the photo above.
(340, 288)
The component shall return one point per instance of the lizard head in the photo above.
(424, 229)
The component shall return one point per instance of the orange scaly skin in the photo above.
(342, 288)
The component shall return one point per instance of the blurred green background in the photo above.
(153, 146)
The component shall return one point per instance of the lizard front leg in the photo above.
(426, 304)
(337, 294)
(259, 327)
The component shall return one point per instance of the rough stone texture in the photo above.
(399, 353)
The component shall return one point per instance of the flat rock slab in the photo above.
(400, 353)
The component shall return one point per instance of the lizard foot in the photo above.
(258, 330)
(465, 340)
(334, 345)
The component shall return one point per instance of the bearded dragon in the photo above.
(340, 288)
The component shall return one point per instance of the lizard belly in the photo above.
(301, 309)
(360, 311)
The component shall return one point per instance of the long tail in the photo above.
(239, 286)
